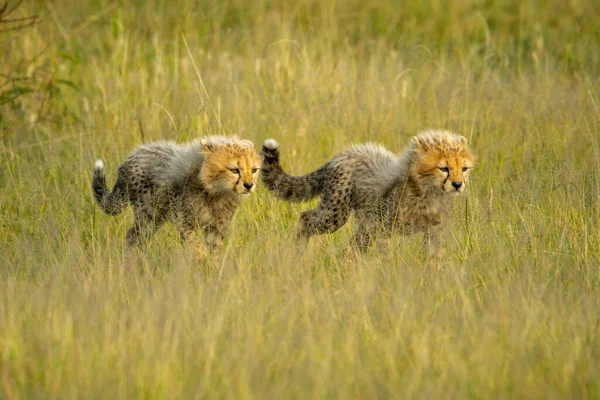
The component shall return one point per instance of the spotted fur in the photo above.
(195, 185)
(405, 194)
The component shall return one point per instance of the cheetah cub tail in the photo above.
(113, 202)
(283, 185)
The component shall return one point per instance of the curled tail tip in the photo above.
(99, 165)
(271, 144)
(270, 148)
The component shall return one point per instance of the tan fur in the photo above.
(406, 194)
(195, 185)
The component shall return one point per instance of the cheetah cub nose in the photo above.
(456, 185)
(248, 185)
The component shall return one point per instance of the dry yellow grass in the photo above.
(514, 312)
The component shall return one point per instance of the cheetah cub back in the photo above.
(405, 194)
(196, 185)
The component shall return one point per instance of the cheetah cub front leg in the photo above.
(189, 238)
(434, 249)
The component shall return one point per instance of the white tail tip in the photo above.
(99, 164)
(271, 144)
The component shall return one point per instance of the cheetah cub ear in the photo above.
(247, 143)
(417, 144)
(208, 147)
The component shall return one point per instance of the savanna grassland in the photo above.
(514, 312)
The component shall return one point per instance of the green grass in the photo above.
(514, 313)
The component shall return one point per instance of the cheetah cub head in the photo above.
(442, 162)
(230, 166)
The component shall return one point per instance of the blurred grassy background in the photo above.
(514, 312)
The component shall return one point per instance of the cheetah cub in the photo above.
(194, 185)
(402, 194)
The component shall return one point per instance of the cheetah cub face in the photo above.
(442, 164)
(230, 168)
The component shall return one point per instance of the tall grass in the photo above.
(512, 313)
